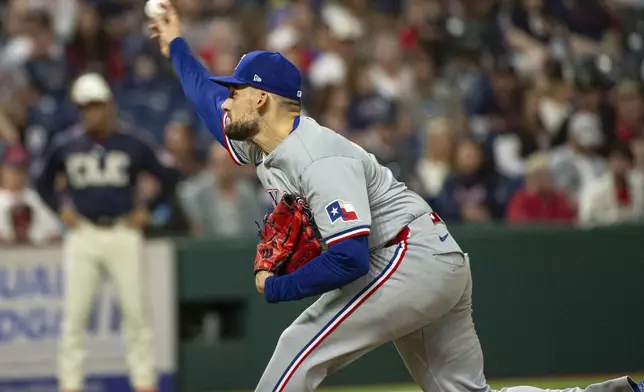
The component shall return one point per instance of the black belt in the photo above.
(104, 220)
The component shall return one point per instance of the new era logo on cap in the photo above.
(279, 75)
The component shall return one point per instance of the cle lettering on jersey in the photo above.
(341, 210)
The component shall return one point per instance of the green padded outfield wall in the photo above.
(546, 301)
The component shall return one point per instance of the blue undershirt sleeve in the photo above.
(342, 263)
(200, 91)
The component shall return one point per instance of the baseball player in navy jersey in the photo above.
(391, 273)
(101, 160)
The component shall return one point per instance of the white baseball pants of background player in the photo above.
(417, 299)
(89, 252)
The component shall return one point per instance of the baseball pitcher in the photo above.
(101, 161)
(391, 271)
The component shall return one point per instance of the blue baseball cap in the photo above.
(268, 71)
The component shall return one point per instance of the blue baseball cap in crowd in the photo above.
(268, 71)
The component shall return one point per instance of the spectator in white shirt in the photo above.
(576, 164)
(435, 165)
(24, 218)
(391, 77)
(617, 196)
(338, 44)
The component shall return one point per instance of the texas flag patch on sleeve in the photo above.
(344, 211)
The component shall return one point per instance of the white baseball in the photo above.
(153, 8)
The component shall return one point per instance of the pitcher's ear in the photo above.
(262, 99)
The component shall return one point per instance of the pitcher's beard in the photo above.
(242, 130)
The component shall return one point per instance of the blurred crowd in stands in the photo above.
(517, 111)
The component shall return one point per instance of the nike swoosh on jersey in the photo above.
(443, 237)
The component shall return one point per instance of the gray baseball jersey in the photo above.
(347, 190)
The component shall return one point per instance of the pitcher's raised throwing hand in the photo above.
(166, 28)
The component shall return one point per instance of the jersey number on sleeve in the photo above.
(84, 170)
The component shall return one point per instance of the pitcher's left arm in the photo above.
(341, 211)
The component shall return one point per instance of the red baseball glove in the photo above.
(287, 241)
